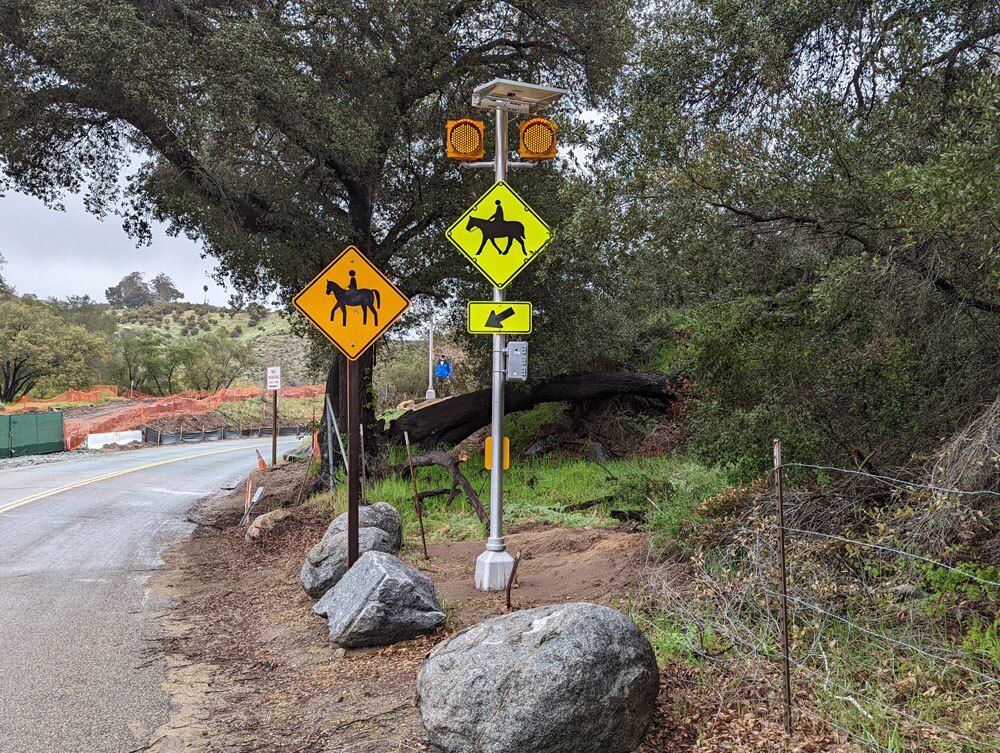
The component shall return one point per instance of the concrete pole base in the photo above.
(493, 570)
(430, 395)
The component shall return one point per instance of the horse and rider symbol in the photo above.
(498, 227)
(364, 298)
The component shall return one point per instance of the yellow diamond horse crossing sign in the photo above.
(500, 234)
(351, 302)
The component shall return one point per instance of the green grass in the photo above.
(881, 694)
(538, 491)
(522, 428)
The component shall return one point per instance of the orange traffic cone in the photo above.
(260, 461)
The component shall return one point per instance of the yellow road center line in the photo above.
(84, 482)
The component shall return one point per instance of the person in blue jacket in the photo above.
(443, 373)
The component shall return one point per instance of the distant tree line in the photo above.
(49, 346)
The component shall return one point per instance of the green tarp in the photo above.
(31, 434)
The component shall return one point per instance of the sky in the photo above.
(52, 253)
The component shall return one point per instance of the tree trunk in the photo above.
(451, 420)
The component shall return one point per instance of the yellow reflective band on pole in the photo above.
(488, 459)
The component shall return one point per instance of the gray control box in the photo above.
(517, 362)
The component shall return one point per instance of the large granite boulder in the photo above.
(380, 515)
(380, 601)
(326, 562)
(570, 678)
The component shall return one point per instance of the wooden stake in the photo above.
(510, 580)
(416, 494)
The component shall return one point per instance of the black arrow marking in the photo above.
(496, 320)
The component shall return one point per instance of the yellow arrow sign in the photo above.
(351, 302)
(507, 318)
(500, 234)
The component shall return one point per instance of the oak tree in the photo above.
(813, 189)
(278, 132)
(39, 350)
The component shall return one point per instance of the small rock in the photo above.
(907, 591)
(381, 515)
(380, 601)
(326, 562)
(600, 451)
(298, 453)
(536, 449)
(266, 523)
(568, 678)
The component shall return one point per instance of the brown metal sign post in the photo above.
(353, 458)
(352, 303)
(274, 427)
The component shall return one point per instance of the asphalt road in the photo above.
(78, 629)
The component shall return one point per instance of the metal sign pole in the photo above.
(431, 394)
(274, 428)
(354, 458)
(494, 565)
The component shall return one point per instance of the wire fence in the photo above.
(853, 692)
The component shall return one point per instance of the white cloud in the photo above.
(51, 253)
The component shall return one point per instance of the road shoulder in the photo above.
(250, 666)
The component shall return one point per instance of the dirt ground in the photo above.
(250, 667)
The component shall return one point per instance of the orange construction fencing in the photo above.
(137, 414)
(93, 395)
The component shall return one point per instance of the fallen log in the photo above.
(451, 420)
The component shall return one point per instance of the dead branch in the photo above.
(451, 464)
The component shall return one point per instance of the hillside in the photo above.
(267, 332)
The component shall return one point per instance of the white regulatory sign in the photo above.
(274, 377)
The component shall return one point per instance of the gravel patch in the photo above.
(58, 457)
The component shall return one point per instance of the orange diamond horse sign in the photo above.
(500, 234)
(351, 302)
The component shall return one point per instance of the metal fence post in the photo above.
(329, 440)
(785, 668)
